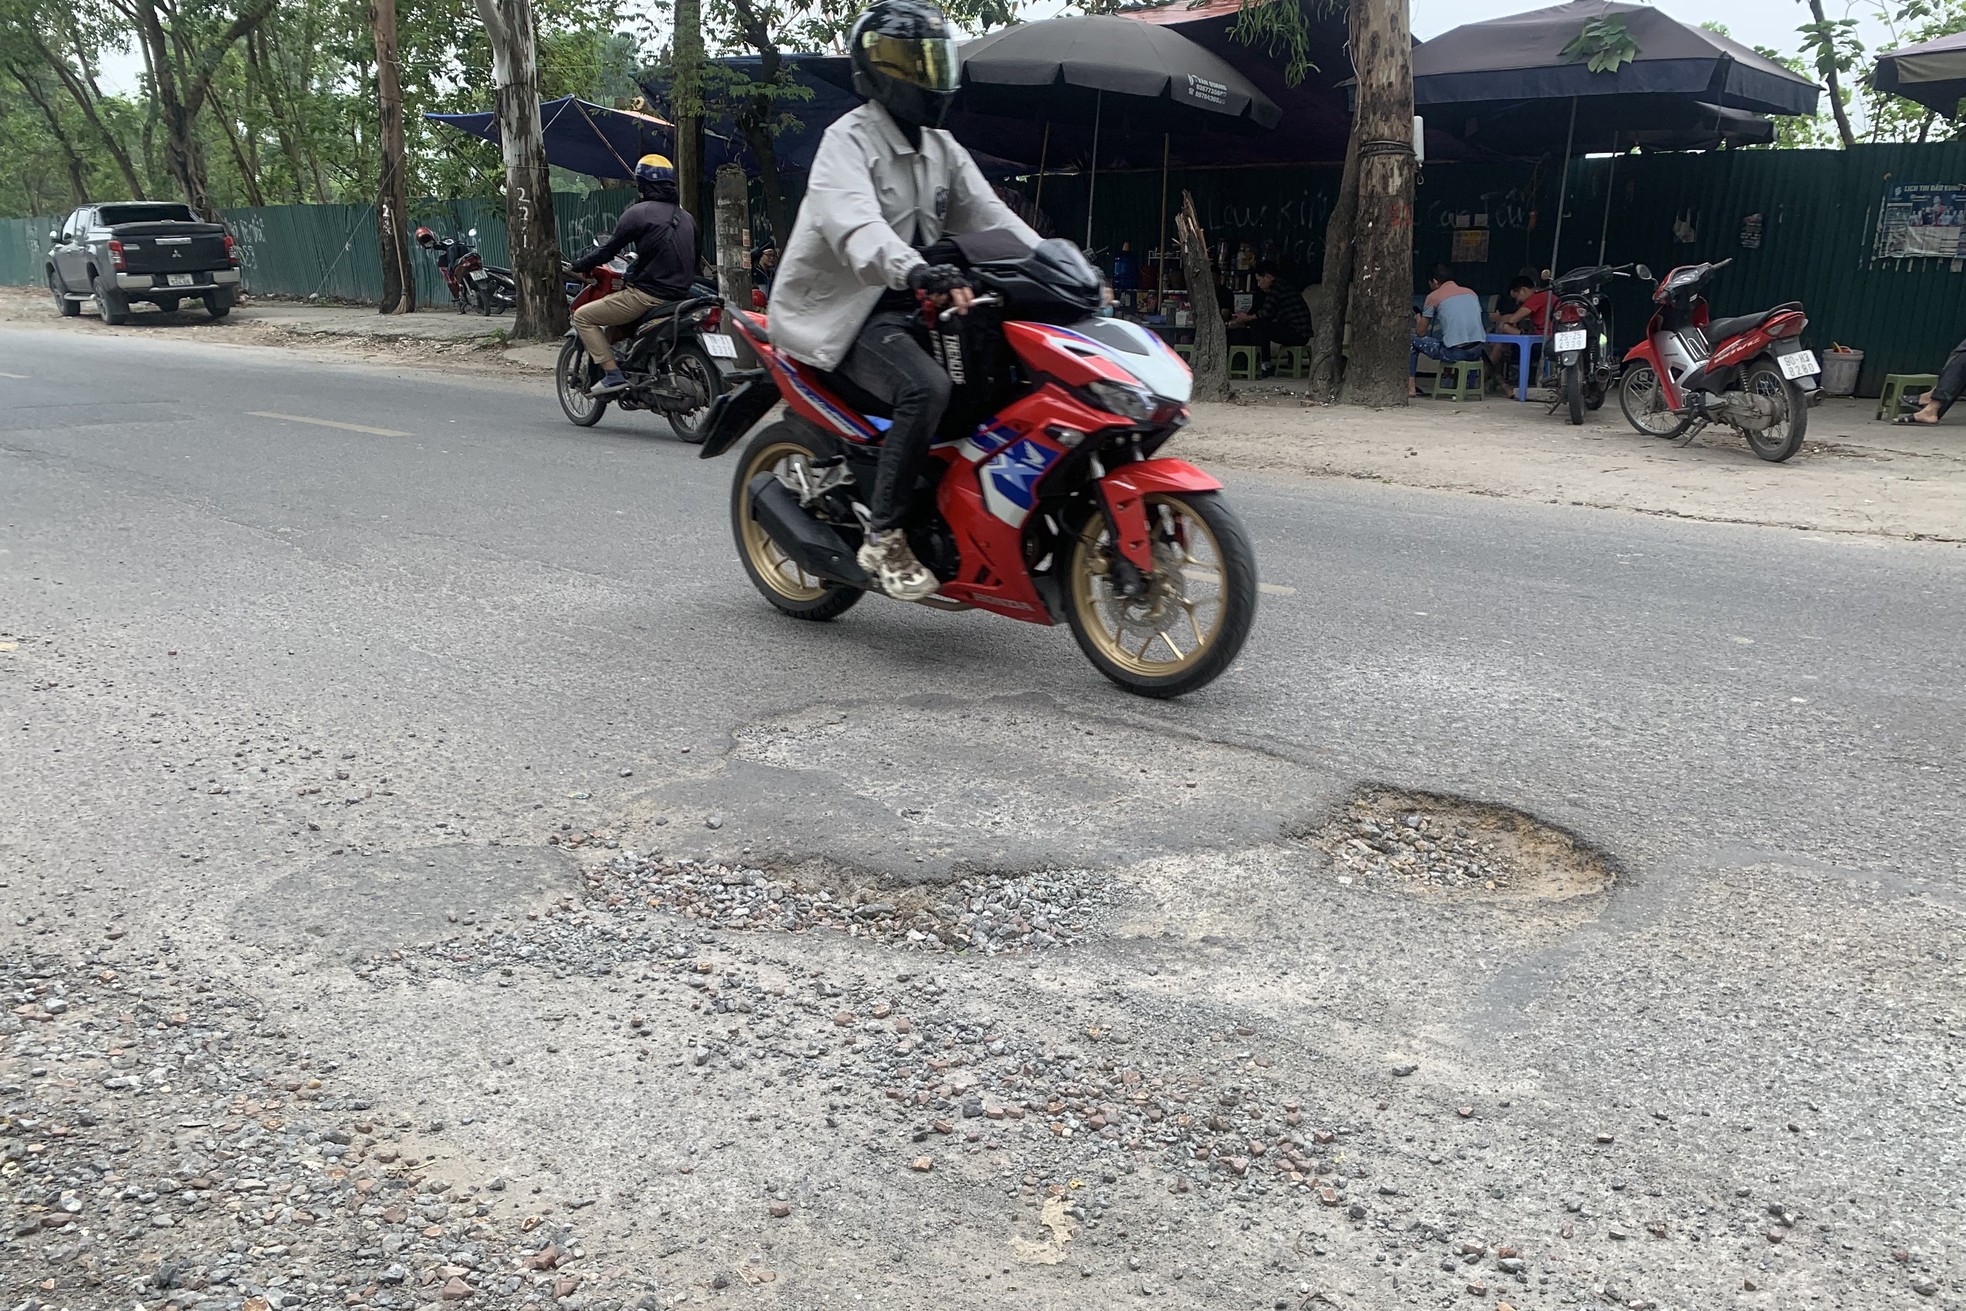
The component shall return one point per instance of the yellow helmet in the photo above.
(654, 168)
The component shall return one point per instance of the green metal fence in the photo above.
(1817, 213)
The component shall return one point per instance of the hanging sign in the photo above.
(1921, 221)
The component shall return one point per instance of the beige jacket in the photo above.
(868, 192)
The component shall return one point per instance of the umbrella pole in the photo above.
(1563, 188)
(1610, 178)
(1092, 180)
(1044, 153)
(1160, 252)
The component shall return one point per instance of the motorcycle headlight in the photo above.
(1131, 403)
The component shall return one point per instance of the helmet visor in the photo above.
(930, 64)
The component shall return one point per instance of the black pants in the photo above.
(889, 362)
(1952, 379)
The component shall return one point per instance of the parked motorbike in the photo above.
(1045, 502)
(1750, 372)
(669, 356)
(470, 281)
(1581, 336)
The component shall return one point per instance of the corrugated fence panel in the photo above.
(23, 247)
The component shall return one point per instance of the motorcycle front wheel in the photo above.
(1782, 438)
(1573, 392)
(1644, 406)
(1190, 622)
(783, 449)
(573, 373)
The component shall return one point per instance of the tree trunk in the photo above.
(80, 91)
(78, 172)
(392, 192)
(248, 173)
(764, 148)
(1381, 310)
(1211, 355)
(686, 105)
(1334, 292)
(1830, 78)
(529, 226)
(180, 93)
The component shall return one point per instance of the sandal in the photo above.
(1912, 421)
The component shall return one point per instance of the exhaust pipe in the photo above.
(814, 546)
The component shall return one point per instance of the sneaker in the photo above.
(892, 563)
(611, 382)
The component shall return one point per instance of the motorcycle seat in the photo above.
(1722, 329)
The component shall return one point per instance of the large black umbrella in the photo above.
(1507, 83)
(1082, 70)
(1932, 73)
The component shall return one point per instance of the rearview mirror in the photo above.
(54, 236)
(473, 234)
(1645, 272)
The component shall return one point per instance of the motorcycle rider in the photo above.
(887, 183)
(664, 237)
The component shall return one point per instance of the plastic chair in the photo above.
(1898, 387)
(1243, 361)
(1468, 378)
(1293, 361)
(1186, 350)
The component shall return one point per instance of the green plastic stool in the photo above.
(1186, 350)
(1890, 401)
(1293, 361)
(1469, 376)
(1242, 361)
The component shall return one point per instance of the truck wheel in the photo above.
(69, 308)
(218, 303)
(113, 308)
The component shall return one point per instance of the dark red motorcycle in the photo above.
(1046, 501)
(470, 281)
(1750, 372)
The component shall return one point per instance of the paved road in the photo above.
(234, 574)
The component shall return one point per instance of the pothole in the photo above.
(1423, 842)
(983, 913)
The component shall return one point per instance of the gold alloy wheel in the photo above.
(778, 571)
(1170, 628)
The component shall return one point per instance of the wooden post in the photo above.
(529, 228)
(1382, 286)
(734, 237)
(392, 204)
(1211, 356)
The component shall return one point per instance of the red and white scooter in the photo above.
(1750, 372)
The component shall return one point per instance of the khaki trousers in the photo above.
(593, 319)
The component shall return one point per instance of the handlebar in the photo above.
(987, 298)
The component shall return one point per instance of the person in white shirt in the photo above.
(886, 184)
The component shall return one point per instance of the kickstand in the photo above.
(1693, 429)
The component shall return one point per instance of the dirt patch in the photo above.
(1447, 846)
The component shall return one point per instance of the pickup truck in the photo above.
(124, 251)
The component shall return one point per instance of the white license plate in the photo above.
(1572, 341)
(180, 279)
(720, 345)
(1799, 364)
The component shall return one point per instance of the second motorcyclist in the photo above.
(886, 184)
(664, 237)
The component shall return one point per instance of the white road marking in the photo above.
(22, 376)
(1210, 575)
(327, 423)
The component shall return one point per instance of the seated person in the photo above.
(1448, 326)
(1279, 316)
(1529, 318)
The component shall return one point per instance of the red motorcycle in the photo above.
(1750, 372)
(1045, 500)
(669, 356)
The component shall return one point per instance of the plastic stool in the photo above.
(1293, 361)
(1243, 361)
(1186, 350)
(1890, 402)
(1469, 376)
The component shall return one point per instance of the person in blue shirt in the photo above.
(1448, 326)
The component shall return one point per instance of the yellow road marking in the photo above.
(327, 423)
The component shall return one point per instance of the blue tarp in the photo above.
(582, 137)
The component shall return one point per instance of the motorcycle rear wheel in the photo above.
(573, 373)
(1199, 608)
(1573, 392)
(1779, 441)
(1638, 397)
(778, 449)
(692, 364)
